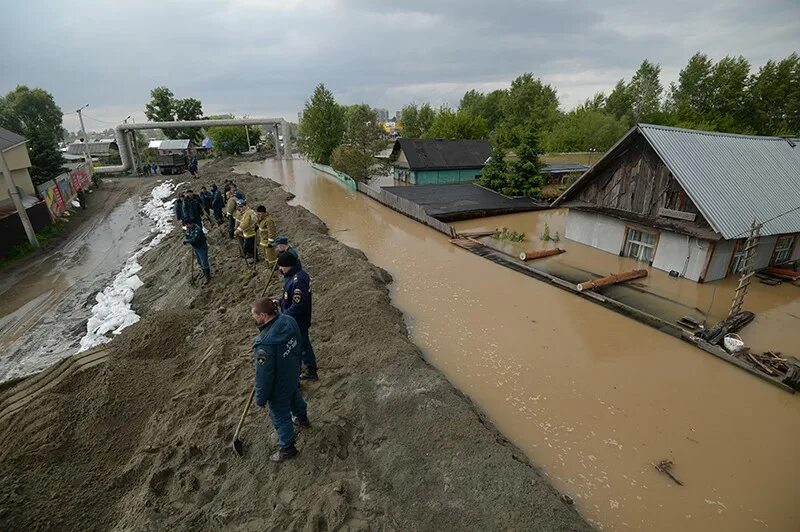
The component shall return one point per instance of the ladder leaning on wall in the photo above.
(750, 246)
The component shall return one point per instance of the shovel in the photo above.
(191, 261)
(271, 273)
(237, 443)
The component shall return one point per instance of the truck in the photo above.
(172, 164)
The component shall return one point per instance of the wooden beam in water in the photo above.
(533, 255)
(615, 278)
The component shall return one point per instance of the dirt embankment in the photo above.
(142, 441)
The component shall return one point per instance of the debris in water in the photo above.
(665, 466)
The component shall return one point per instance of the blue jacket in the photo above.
(179, 209)
(195, 237)
(205, 198)
(296, 300)
(193, 209)
(217, 202)
(276, 356)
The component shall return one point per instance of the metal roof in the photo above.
(174, 144)
(563, 168)
(732, 179)
(9, 138)
(155, 144)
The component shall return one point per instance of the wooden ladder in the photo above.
(750, 246)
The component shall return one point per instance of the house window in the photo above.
(641, 245)
(737, 263)
(783, 249)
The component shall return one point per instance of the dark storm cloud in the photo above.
(264, 57)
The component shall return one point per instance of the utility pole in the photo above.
(750, 246)
(85, 138)
(14, 193)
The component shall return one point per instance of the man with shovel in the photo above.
(276, 356)
(195, 237)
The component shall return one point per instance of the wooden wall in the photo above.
(637, 181)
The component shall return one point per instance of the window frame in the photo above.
(626, 240)
(789, 250)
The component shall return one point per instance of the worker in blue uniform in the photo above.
(195, 237)
(281, 244)
(296, 302)
(276, 357)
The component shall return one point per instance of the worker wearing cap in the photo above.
(296, 302)
(282, 245)
(276, 357)
(266, 234)
(195, 237)
(248, 221)
(230, 212)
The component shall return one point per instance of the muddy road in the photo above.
(45, 299)
(141, 442)
(595, 398)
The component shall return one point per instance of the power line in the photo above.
(769, 220)
(98, 120)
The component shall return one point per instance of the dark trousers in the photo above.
(308, 356)
(249, 246)
(281, 413)
(202, 257)
(231, 226)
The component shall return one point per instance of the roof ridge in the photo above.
(711, 133)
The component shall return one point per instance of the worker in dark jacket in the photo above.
(276, 357)
(217, 203)
(195, 237)
(282, 245)
(296, 302)
(192, 207)
(205, 199)
(179, 208)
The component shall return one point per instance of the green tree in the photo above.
(164, 107)
(233, 139)
(729, 106)
(363, 139)
(322, 126)
(645, 92)
(415, 121)
(775, 96)
(33, 113)
(457, 125)
(585, 128)
(529, 106)
(620, 103)
(487, 106)
(690, 99)
(517, 175)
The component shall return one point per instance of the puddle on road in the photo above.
(592, 397)
(41, 307)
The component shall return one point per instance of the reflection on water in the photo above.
(593, 398)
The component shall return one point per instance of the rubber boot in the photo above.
(207, 273)
(309, 374)
(303, 423)
(284, 454)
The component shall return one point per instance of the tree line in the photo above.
(718, 96)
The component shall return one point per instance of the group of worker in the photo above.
(282, 351)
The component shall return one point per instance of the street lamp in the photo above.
(83, 133)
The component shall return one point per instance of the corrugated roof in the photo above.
(9, 138)
(734, 179)
(174, 144)
(431, 154)
(563, 168)
(155, 143)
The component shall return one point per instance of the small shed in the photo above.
(175, 147)
(438, 161)
(96, 147)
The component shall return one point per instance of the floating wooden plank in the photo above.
(611, 279)
(533, 255)
(784, 273)
(679, 215)
(475, 234)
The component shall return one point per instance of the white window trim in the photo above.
(641, 244)
(786, 250)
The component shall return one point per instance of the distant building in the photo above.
(558, 173)
(15, 152)
(299, 116)
(684, 200)
(437, 162)
(383, 115)
(97, 147)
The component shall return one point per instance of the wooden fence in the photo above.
(406, 207)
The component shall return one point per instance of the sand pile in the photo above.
(142, 441)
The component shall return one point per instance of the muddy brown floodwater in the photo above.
(592, 397)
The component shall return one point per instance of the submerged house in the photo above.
(437, 161)
(684, 200)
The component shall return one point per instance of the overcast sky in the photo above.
(264, 57)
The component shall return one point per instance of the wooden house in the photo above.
(437, 161)
(684, 200)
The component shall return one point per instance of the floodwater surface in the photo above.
(593, 398)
